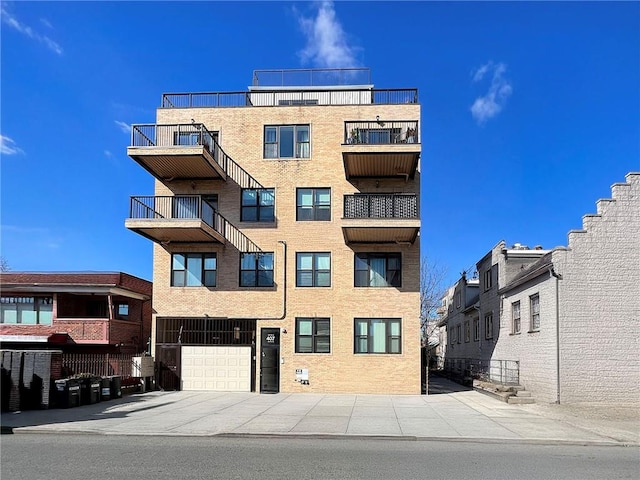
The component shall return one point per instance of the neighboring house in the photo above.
(90, 312)
(285, 221)
(569, 316)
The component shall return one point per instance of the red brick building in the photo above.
(75, 311)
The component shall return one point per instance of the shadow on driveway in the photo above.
(439, 385)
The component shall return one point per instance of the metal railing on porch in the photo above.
(390, 205)
(505, 372)
(381, 132)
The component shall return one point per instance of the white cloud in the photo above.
(490, 104)
(46, 23)
(9, 147)
(13, 22)
(125, 127)
(327, 45)
(108, 154)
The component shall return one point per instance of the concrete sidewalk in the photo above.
(450, 413)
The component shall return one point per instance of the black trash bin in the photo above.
(105, 388)
(115, 383)
(89, 390)
(67, 393)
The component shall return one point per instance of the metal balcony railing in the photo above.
(190, 134)
(381, 132)
(390, 205)
(288, 97)
(190, 207)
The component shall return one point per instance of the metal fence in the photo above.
(505, 372)
(101, 364)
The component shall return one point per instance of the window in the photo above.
(534, 301)
(26, 310)
(476, 329)
(488, 326)
(515, 317)
(467, 332)
(286, 141)
(488, 279)
(377, 335)
(313, 269)
(377, 270)
(313, 335)
(193, 270)
(122, 310)
(256, 269)
(453, 335)
(313, 204)
(258, 205)
(458, 299)
(459, 333)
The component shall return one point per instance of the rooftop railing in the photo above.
(312, 77)
(381, 132)
(289, 97)
(389, 205)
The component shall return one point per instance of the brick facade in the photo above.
(241, 135)
(72, 293)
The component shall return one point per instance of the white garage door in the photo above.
(220, 369)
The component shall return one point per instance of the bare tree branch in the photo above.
(432, 288)
(4, 265)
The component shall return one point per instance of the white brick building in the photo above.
(571, 317)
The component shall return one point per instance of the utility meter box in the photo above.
(142, 367)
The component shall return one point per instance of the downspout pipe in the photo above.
(558, 277)
(284, 285)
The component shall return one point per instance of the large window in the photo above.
(476, 329)
(377, 335)
(313, 335)
(193, 270)
(286, 141)
(258, 205)
(515, 317)
(377, 270)
(488, 279)
(313, 204)
(256, 269)
(534, 301)
(26, 310)
(313, 269)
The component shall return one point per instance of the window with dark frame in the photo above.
(476, 329)
(377, 335)
(488, 279)
(515, 317)
(313, 269)
(534, 301)
(459, 333)
(256, 269)
(378, 270)
(193, 269)
(488, 326)
(286, 141)
(313, 335)
(122, 310)
(26, 310)
(313, 204)
(258, 205)
(467, 331)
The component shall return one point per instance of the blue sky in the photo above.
(530, 111)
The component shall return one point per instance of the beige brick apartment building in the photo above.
(286, 229)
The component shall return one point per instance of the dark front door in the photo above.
(270, 360)
(168, 363)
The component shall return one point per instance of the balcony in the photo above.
(184, 218)
(381, 148)
(180, 151)
(381, 218)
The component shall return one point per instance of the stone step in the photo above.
(523, 393)
(517, 400)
